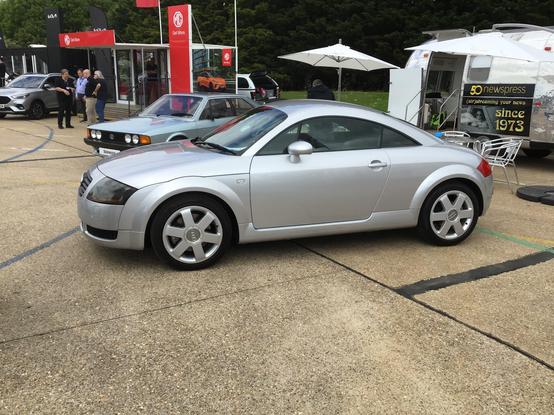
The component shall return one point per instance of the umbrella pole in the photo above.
(340, 80)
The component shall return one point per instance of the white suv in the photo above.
(258, 86)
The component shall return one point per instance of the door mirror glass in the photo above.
(47, 86)
(297, 148)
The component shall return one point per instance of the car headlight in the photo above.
(110, 192)
(98, 134)
(128, 138)
(135, 139)
(20, 96)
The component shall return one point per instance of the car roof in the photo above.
(292, 106)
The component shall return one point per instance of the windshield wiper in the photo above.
(214, 145)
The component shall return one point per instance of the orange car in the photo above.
(206, 81)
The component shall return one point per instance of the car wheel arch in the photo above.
(431, 183)
(177, 137)
(215, 198)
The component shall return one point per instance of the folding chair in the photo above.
(502, 152)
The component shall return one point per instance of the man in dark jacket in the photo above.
(64, 90)
(320, 91)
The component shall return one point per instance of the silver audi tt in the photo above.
(288, 170)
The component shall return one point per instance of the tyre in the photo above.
(536, 153)
(191, 232)
(449, 214)
(37, 110)
(2, 115)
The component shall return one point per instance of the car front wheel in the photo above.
(37, 110)
(191, 232)
(449, 214)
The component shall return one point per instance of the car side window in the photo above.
(240, 105)
(242, 83)
(51, 80)
(222, 108)
(392, 138)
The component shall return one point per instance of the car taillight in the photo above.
(253, 95)
(485, 168)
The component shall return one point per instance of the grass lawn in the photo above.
(374, 99)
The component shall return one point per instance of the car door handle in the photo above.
(375, 164)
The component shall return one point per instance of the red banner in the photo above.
(101, 38)
(180, 43)
(147, 3)
(226, 57)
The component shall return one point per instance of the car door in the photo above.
(341, 180)
(49, 96)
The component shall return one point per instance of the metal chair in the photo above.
(502, 152)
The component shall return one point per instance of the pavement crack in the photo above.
(164, 308)
(429, 307)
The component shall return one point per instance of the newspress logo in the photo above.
(499, 90)
(178, 19)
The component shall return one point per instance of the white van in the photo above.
(483, 95)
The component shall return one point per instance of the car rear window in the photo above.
(264, 82)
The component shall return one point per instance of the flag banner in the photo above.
(101, 38)
(227, 57)
(147, 3)
(180, 43)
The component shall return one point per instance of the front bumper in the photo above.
(14, 107)
(100, 222)
(106, 144)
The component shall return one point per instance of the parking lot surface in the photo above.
(367, 323)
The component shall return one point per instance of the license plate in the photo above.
(2, 106)
(107, 151)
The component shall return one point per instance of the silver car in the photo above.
(171, 117)
(292, 169)
(31, 94)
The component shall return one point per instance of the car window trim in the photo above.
(380, 147)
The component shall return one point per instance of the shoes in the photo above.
(83, 121)
(60, 127)
(69, 126)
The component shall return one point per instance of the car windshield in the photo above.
(27, 82)
(175, 105)
(241, 132)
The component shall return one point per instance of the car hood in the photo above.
(7, 91)
(141, 125)
(157, 163)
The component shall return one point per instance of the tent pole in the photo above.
(340, 80)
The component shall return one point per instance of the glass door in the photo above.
(124, 75)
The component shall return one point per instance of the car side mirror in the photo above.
(297, 148)
(47, 86)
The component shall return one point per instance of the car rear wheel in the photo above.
(449, 214)
(2, 115)
(191, 232)
(36, 110)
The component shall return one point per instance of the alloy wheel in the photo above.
(452, 215)
(192, 234)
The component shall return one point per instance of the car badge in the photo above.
(112, 136)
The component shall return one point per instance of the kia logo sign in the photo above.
(67, 40)
(53, 16)
(178, 19)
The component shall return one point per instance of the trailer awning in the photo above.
(488, 44)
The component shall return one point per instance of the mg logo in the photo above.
(67, 40)
(178, 19)
(227, 56)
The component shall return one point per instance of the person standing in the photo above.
(90, 96)
(320, 91)
(80, 94)
(64, 90)
(2, 72)
(152, 80)
(101, 94)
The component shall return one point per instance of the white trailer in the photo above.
(483, 95)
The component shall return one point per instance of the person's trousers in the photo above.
(91, 109)
(100, 104)
(81, 107)
(64, 110)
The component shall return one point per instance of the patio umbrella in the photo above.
(341, 57)
(488, 44)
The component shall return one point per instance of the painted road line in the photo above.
(48, 139)
(38, 248)
(519, 241)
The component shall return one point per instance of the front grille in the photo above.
(4, 100)
(108, 137)
(84, 183)
(102, 233)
